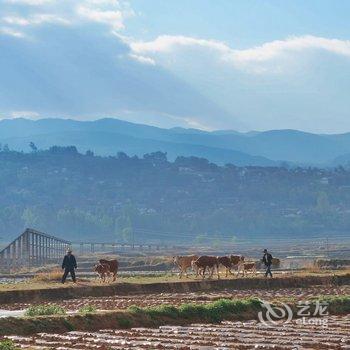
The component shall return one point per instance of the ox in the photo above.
(249, 266)
(102, 270)
(204, 262)
(231, 261)
(184, 263)
(113, 266)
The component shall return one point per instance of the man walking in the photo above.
(69, 264)
(267, 260)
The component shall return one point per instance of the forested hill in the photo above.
(107, 136)
(85, 196)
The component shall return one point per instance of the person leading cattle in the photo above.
(267, 260)
(69, 265)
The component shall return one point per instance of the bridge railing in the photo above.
(32, 248)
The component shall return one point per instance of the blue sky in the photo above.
(223, 64)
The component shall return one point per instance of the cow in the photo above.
(204, 262)
(102, 270)
(113, 266)
(230, 261)
(249, 266)
(237, 262)
(185, 262)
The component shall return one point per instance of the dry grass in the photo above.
(313, 268)
(50, 276)
(52, 280)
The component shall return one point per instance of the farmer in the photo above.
(69, 264)
(267, 260)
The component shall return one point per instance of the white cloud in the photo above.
(36, 19)
(114, 18)
(109, 12)
(167, 43)
(275, 48)
(30, 2)
(253, 59)
(143, 59)
(25, 114)
(11, 32)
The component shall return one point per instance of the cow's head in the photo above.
(236, 259)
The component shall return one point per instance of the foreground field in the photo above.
(189, 315)
(227, 335)
(148, 300)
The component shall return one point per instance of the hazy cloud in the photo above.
(143, 59)
(30, 2)
(11, 32)
(253, 59)
(36, 19)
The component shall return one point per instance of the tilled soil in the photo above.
(123, 302)
(227, 335)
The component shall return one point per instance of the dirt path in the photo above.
(87, 290)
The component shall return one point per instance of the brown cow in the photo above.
(226, 262)
(113, 266)
(249, 266)
(184, 263)
(230, 261)
(103, 271)
(210, 262)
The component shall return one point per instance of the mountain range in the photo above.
(109, 136)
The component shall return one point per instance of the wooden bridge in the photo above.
(114, 247)
(33, 248)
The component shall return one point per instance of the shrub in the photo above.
(135, 309)
(87, 309)
(44, 310)
(162, 310)
(214, 312)
(7, 344)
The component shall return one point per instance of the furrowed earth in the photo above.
(226, 335)
(115, 323)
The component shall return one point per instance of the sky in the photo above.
(208, 64)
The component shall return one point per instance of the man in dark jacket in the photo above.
(69, 264)
(267, 260)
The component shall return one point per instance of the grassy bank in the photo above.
(223, 309)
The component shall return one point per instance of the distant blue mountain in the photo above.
(109, 136)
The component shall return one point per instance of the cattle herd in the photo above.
(199, 265)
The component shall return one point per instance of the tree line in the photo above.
(148, 199)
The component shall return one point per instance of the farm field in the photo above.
(48, 281)
(148, 300)
(227, 335)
